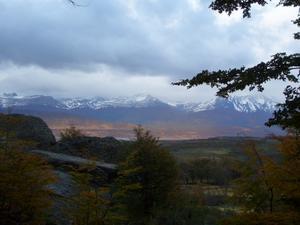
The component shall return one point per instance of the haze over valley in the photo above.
(235, 116)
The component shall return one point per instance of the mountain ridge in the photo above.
(117, 116)
(247, 103)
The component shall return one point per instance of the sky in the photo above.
(113, 48)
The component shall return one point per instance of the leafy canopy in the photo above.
(147, 179)
(268, 190)
(282, 67)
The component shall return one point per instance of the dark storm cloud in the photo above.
(126, 47)
(53, 34)
(152, 37)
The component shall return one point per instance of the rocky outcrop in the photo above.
(74, 160)
(106, 149)
(65, 166)
(27, 128)
(106, 171)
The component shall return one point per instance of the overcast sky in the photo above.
(116, 47)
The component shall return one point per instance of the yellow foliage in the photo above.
(91, 205)
(24, 188)
(270, 185)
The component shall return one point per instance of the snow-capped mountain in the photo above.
(97, 103)
(14, 100)
(243, 114)
(248, 104)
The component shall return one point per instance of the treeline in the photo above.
(215, 171)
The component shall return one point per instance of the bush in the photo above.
(70, 133)
(24, 188)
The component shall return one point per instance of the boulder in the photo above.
(27, 128)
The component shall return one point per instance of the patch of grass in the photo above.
(218, 147)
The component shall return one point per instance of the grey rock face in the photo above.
(28, 128)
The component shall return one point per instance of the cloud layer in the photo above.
(133, 46)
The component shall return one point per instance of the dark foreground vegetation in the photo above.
(145, 181)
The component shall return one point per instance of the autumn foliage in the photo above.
(25, 195)
(268, 191)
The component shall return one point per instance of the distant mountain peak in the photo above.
(97, 103)
(253, 103)
(247, 103)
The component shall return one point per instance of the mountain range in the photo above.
(236, 115)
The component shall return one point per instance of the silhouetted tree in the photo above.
(147, 179)
(282, 66)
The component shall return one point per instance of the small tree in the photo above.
(25, 196)
(91, 205)
(254, 190)
(147, 179)
(70, 133)
(268, 191)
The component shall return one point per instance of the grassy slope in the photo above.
(218, 147)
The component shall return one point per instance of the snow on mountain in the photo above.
(197, 107)
(80, 103)
(253, 103)
(97, 103)
(249, 103)
(13, 100)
